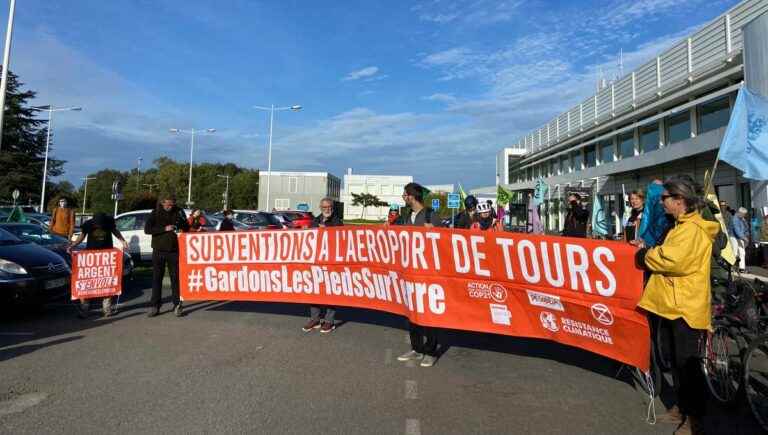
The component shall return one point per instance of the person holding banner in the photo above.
(162, 225)
(99, 231)
(226, 224)
(326, 218)
(196, 221)
(484, 219)
(576, 219)
(678, 292)
(423, 339)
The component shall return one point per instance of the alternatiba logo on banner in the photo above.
(484, 290)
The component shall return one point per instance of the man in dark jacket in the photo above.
(577, 217)
(326, 218)
(162, 224)
(466, 218)
(423, 339)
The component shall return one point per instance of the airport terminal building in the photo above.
(667, 117)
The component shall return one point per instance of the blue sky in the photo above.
(431, 88)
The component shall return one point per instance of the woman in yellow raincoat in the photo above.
(678, 291)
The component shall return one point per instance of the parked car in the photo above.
(29, 273)
(297, 219)
(41, 236)
(258, 219)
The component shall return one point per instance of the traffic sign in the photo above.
(435, 203)
(454, 200)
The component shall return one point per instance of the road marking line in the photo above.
(411, 390)
(388, 357)
(20, 403)
(17, 333)
(412, 426)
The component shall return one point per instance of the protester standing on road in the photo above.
(636, 201)
(196, 221)
(63, 220)
(99, 231)
(577, 217)
(739, 234)
(467, 216)
(226, 223)
(326, 218)
(162, 225)
(423, 339)
(678, 291)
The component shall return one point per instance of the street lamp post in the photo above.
(138, 174)
(85, 190)
(226, 192)
(272, 110)
(191, 155)
(150, 186)
(6, 65)
(50, 110)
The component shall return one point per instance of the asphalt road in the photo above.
(248, 368)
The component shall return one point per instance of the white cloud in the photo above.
(440, 98)
(369, 71)
(477, 12)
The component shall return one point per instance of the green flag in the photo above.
(463, 196)
(17, 215)
(503, 197)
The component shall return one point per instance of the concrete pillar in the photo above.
(756, 79)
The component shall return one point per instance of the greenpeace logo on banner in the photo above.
(544, 300)
(501, 315)
(484, 290)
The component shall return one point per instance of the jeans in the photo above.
(423, 339)
(316, 310)
(159, 261)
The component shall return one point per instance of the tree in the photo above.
(367, 200)
(23, 149)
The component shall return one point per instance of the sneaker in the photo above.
(312, 324)
(154, 311)
(410, 355)
(327, 327)
(428, 361)
(178, 310)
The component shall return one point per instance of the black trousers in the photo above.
(159, 261)
(423, 339)
(690, 385)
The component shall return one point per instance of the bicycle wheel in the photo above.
(756, 378)
(721, 363)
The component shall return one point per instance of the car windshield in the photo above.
(7, 238)
(272, 219)
(34, 234)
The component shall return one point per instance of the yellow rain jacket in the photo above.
(680, 283)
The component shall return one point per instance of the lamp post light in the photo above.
(85, 190)
(192, 133)
(226, 192)
(50, 110)
(6, 65)
(272, 110)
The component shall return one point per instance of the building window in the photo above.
(590, 156)
(607, 154)
(386, 189)
(626, 146)
(293, 184)
(565, 164)
(282, 203)
(649, 138)
(714, 115)
(679, 127)
(578, 160)
(373, 189)
(355, 188)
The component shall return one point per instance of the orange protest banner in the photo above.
(96, 273)
(578, 292)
